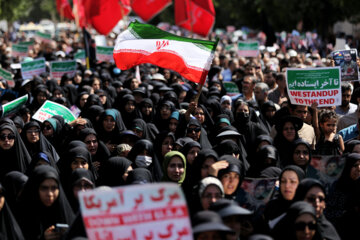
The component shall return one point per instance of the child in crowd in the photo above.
(329, 142)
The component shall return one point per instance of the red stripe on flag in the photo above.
(162, 59)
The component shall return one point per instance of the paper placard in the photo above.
(308, 85)
(50, 109)
(32, 68)
(248, 49)
(149, 211)
(104, 54)
(59, 68)
(346, 59)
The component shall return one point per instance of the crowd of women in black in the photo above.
(133, 131)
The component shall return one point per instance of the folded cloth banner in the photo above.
(144, 43)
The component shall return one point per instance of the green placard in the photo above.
(5, 74)
(104, 50)
(309, 85)
(35, 67)
(28, 43)
(20, 48)
(59, 68)
(231, 88)
(14, 105)
(248, 46)
(46, 36)
(313, 79)
(80, 54)
(49, 109)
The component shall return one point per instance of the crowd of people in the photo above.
(152, 129)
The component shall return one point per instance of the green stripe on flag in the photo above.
(146, 31)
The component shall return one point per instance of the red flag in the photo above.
(64, 9)
(197, 16)
(147, 9)
(103, 15)
(80, 15)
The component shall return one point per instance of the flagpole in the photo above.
(87, 49)
(196, 100)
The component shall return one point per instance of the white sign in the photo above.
(150, 211)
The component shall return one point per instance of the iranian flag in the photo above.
(144, 43)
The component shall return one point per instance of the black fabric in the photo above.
(35, 217)
(138, 148)
(102, 153)
(113, 170)
(267, 156)
(326, 229)
(14, 183)
(279, 205)
(16, 158)
(76, 176)
(9, 227)
(149, 130)
(139, 176)
(43, 145)
(285, 230)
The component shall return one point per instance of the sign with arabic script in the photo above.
(59, 68)
(309, 85)
(150, 211)
(49, 109)
(33, 68)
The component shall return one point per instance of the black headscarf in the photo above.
(159, 141)
(149, 130)
(9, 227)
(113, 170)
(235, 165)
(14, 183)
(35, 217)
(17, 158)
(279, 205)
(285, 230)
(43, 145)
(262, 158)
(126, 116)
(102, 153)
(76, 176)
(154, 167)
(150, 118)
(115, 133)
(139, 176)
(349, 146)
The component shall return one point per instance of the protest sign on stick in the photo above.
(104, 54)
(308, 85)
(150, 211)
(13, 106)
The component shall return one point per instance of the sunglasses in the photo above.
(33, 131)
(47, 127)
(313, 199)
(198, 129)
(3, 137)
(300, 226)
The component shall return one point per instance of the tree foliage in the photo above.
(281, 15)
